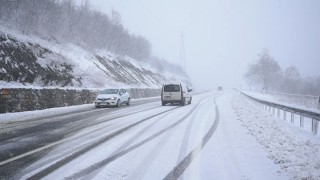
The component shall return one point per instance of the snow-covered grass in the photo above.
(296, 151)
(272, 99)
(308, 101)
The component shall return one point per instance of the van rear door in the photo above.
(172, 92)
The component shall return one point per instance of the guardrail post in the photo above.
(271, 108)
(301, 121)
(315, 126)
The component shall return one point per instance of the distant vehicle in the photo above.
(112, 97)
(219, 88)
(175, 93)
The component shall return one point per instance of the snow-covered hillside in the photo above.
(29, 61)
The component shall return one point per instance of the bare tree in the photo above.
(266, 71)
(292, 73)
(267, 74)
(291, 80)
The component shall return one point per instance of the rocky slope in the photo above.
(29, 61)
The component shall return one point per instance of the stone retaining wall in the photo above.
(137, 93)
(18, 100)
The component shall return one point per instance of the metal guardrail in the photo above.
(314, 116)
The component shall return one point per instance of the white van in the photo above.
(176, 93)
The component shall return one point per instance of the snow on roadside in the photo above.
(296, 151)
(27, 115)
(270, 98)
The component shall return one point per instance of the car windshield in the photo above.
(110, 91)
(171, 88)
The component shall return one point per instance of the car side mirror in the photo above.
(189, 90)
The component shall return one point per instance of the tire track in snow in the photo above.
(157, 149)
(24, 158)
(78, 153)
(130, 149)
(92, 172)
(8, 126)
(50, 134)
(185, 141)
(140, 171)
(68, 132)
(183, 165)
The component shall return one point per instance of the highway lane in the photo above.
(70, 145)
(20, 137)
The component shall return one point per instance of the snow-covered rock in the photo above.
(30, 61)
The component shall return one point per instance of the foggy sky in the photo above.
(223, 37)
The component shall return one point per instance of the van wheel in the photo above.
(183, 101)
(190, 101)
(163, 103)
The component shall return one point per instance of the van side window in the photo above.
(171, 88)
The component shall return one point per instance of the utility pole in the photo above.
(182, 54)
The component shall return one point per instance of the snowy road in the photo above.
(202, 140)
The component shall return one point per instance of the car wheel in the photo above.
(163, 103)
(128, 102)
(118, 103)
(190, 101)
(97, 107)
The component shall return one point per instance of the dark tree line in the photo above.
(266, 74)
(65, 21)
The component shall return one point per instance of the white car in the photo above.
(112, 97)
(176, 93)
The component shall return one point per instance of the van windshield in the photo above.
(171, 88)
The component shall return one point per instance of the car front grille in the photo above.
(104, 99)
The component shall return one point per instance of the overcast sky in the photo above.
(222, 37)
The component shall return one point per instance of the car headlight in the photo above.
(113, 98)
